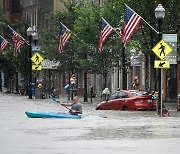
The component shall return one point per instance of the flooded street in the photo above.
(116, 132)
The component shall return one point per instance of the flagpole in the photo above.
(19, 35)
(143, 19)
(150, 26)
(65, 26)
(3, 38)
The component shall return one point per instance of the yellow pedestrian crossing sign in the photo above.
(36, 67)
(36, 58)
(162, 49)
(161, 64)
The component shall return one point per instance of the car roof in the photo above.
(138, 93)
(135, 92)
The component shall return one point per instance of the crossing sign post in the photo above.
(162, 49)
(36, 67)
(161, 64)
(36, 58)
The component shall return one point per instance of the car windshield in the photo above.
(113, 96)
(138, 93)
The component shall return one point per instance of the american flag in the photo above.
(18, 40)
(3, 44)
(65, 35)
(132, 20)
(106, 30)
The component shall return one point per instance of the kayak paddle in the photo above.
(55, 100)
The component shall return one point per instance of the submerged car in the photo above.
(132, 100)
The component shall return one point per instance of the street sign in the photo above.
(36, 67)
(162, 49)
(171, 40)
(36, 58)
(50, 64)
(136, 60)
(161, 64)
(36, 48)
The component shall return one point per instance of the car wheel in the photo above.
(124, 108)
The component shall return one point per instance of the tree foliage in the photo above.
(84, 22)
(83, 19)
(8, 63)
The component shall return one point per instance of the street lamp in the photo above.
(35, 37)
(160, 14)
(29, 33)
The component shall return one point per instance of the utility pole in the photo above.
(123, 68)
(159, 14)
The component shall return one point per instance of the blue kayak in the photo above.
(56, 115)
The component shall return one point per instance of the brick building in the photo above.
(12, 10)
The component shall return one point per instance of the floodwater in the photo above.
(120, 132)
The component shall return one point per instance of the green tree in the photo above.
(50, 38)
(10, 65)
(84, 20)
(146, 37)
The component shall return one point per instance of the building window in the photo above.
(15, 6)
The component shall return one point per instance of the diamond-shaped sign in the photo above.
(36, 58)
(162, 49)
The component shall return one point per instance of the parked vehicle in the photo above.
(132, 100)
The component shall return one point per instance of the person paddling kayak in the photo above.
(76, 107)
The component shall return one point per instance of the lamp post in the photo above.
(160, 14)
(35, 37)
(124, 75)
(29, 34)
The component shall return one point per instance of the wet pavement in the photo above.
(115, 132)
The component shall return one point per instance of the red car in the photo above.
(132, 100)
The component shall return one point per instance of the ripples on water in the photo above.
(18, 131)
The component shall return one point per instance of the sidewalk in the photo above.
(172, 105)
